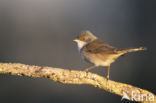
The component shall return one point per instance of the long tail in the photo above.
(132, 50)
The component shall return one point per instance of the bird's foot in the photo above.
(107, 77)
(86, 70)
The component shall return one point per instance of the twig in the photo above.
(79, 77)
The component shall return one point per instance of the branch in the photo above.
(79, 77)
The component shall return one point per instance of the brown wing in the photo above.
(97, 46)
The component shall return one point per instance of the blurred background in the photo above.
(40, 32)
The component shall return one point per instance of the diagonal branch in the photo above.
(79, 77)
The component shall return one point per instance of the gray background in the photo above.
(40, 32)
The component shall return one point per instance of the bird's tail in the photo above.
(123, 51)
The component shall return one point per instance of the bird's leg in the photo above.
(108, 72)
(89, 68)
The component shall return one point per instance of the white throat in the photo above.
(80, 44)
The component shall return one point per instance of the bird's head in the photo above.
(84, 38)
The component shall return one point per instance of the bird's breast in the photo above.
(100, 59)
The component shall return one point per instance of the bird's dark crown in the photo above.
(86, 36)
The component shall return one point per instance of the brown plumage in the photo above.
(98, 52)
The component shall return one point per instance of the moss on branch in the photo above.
(77, 77)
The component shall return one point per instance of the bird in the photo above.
(99, 53)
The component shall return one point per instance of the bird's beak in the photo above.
(75, 40)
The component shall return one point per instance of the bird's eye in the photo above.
(83, 39)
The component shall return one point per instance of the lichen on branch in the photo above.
(78, 77)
